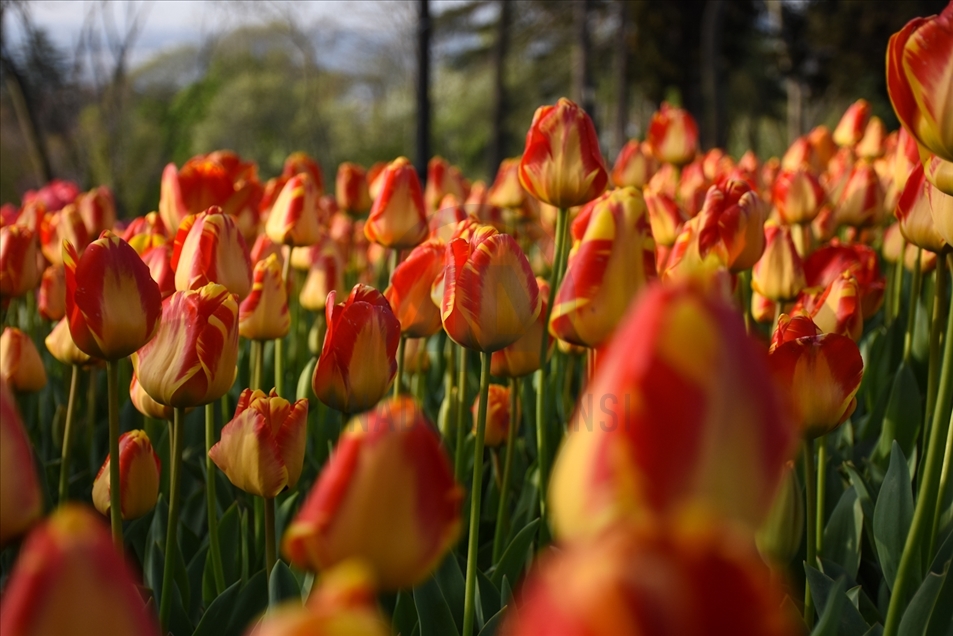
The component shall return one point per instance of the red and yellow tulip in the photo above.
(852, 125)
(51, 299)
(325, 274)
(60, 344)
(409, 290)
(443, 179)
(351, 189)
(264, 314)
(210, 249)
(798, 196)
(779, 274)
(293, 219)
(397, 217)
(915, 213)
(139, 470)
(19, 251)
(522, 357)
(673, 135)
(507, 191)
(497, 415)
(97, 208)
(635, 165)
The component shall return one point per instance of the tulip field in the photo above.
(688, 394)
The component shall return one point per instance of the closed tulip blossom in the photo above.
(522, 357)
(673, 135)
(112, 303)
(665, 216)
(351, 189)
(97, 208)
(293, 219)
(139, 470)
(798, 196)
(325, 274)
(799, 156)
(915, 213)
(159, 261)
(386, 496)
(681, 366)
(941, 207)
(823, 144)
(442, 179)
(262, 448)
(732, 222)
(145, 404)
(21, 500)
(562, 164)
(497, 415)
(397, 217)
(20, 365)
(608, 265)
(635, 165)
(850, 130)
(264, 314)
(837, 309)
(210, 249)
(861, 201)
(409, 290)
(71, 581)
(779, 274)
(828, 263)
(51, 300)
(872, 145)
(692, 188)
(60, 344)
(779, 537)
(507, 191)
(359, 358)
(65, 225)
(19, 249)
(191, 360)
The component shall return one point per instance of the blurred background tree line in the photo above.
(755, 73)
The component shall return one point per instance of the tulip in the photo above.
(905, 159)
(675, 577)
(442, 179)
(731, 222)
(608, 266)
(409, 290)
(914, 211)
(54, 196)
(262, 447)
(293, 219)
(71, 581)
(65, 225)
(97, 208)
(838, 308)
(358, 361)
(51, 300)
(798, 195)
(690, 258)
(386, 496)
(779, 537)
(681, 366)
(325, 274)
(871, 146)
(763, 310)
(264, 247)
(264, 314)
(112, 303)
(822, 141)
(769, 172)
(800, 156)
(19, 273)
(490, 297)
(506, 191)
(397, 218)
(191, 360)
(779, 275)
(941, 208)
(673, 135)
(159, 261)
(373, 178)
(635, 165)
(497, 415)
(861, 202)
(850, 130)
(145, 404)
(562, 164)
(828, 263)
(139, 470)
(21, 501)
(692, 188)
(146, 227)
(716, 165)
(523, 356)
(301, 163)
(60, 344)
(20, 365)
(665, 216)
(210, 249)
(351, 189)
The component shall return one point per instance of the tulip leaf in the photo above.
(449, 577)
(876, 630)
(435, 616)
(493, 624)
(842, 533)
(829, 622)
(863, 495)
(506, 592)
(252, 601)
(229, 538)
(867, 608)
(405, 614)
(284, 512)
(902, 418)
(282, 584)
(514, 557)
(825, 591)
(916, 617)
(488, 598)
(196, 571)
(218, 612)
(208, 581)
(893, 515)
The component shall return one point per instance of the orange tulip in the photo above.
(145, 404)
(822, 142)
(731, 222)
(262, 448)
(19, 273)
(635, 165)
(60, 344)
(608, 265)
(798, 196)
(386, 496)
(397, 218)
(716, 165)
(490, 297)
(302, 163)
(852, 125)
(293, 219)
(665, 216)
(20, 365)
(51, 300)
(872, 144)
(146, 226)
(112, 303)
(359, 358)
(828, 263)
(680, 367)
(71, 581)
(779, 275)
(409, 290)
(522, 357)
(941, 208)
(191, 360)
(861, 201)
(97, 208)
(673, 135)
(210, 249)
(507, 191)
(139, 470)
(264, 314)
(915, 213)
(442, 179)
(325, 274)
(562, 164)
(21, 501)
(497, 415)
(159, 261)
(65, 225)
(837, 309)
(351, 189)
(800, 156)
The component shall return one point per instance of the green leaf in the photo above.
(282, 584)
(514, 558)
(506, 592)
(488, 597)
(433, 611)
(903, 416)
(843, 531)
(405, 614)
(252, 601)
(823, 590)
(284, 512)
(829, 622)
(218, 613)
(863, 495)
(229, 538)
(493, 624)
(449, 577)
(893, 515)
(917, 615)
(196, 570)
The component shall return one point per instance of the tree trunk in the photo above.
(710, 53)
(424, 26)
(622, 76)
(497, 150)
(583, 92)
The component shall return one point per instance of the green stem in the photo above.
(210, 468)
(270, 552)
(912, 308)
(503, 509)
(115, 499)
(933, 365)
(897, 289)
(258, 360)
(171, 543)
(810, 509)
(68, 435)
(944, 484)
(280, 342)
(917, 549)
(400, 365)
(821, 489)
(469, 609)
(461, 405)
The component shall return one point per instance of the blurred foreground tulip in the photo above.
(60, 344)
(139, 470)
(21, 501)
(779, 537)
(562, 164)
(680, 366)
(351, 189)
(673, 135)
(409, 290)
(293, 219)
(497, 415)
(852, 125)
(20, 365)
(264, 314)
(359, 357)
(634, 166)
(397, 217)
(191, 360)
(210, 249)
(386, 496)
(71, 581)
(19, 273)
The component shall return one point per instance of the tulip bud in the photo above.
(478, 204)
(19, 273)
(442, 179)
(262, 448)
(822, 142)
(871, 146)
(828, 263)
(293, 219)
(359, 358)
(397, 218)
(497, 415)
(60, 344)
(409, 290)
(191, 360)
(70, 580)
(386, 496)
(779, 537)
(665, 216)
(681, 364)
(522, 357)
(562, 164)
(799, 157)
(98, 210)
(145, 231)
(861, 202)
(490, 297)
(145, 404)
(506, 191)
(21, 502)
(301, 163)
(210, 249)
(52, 297)
(693, 188)
(112, 303)
(798, 196)
(65, 225)
(914, 211)
(159, 261)
(837, 309)
(264, 314)
(351, 189)
(673, 135)
(732, 222)
(608, 266)
(634, 166)
(20, 365)
(850, 130)
(779, 275)
(941, 208)
(139, 470)
(325, 274)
